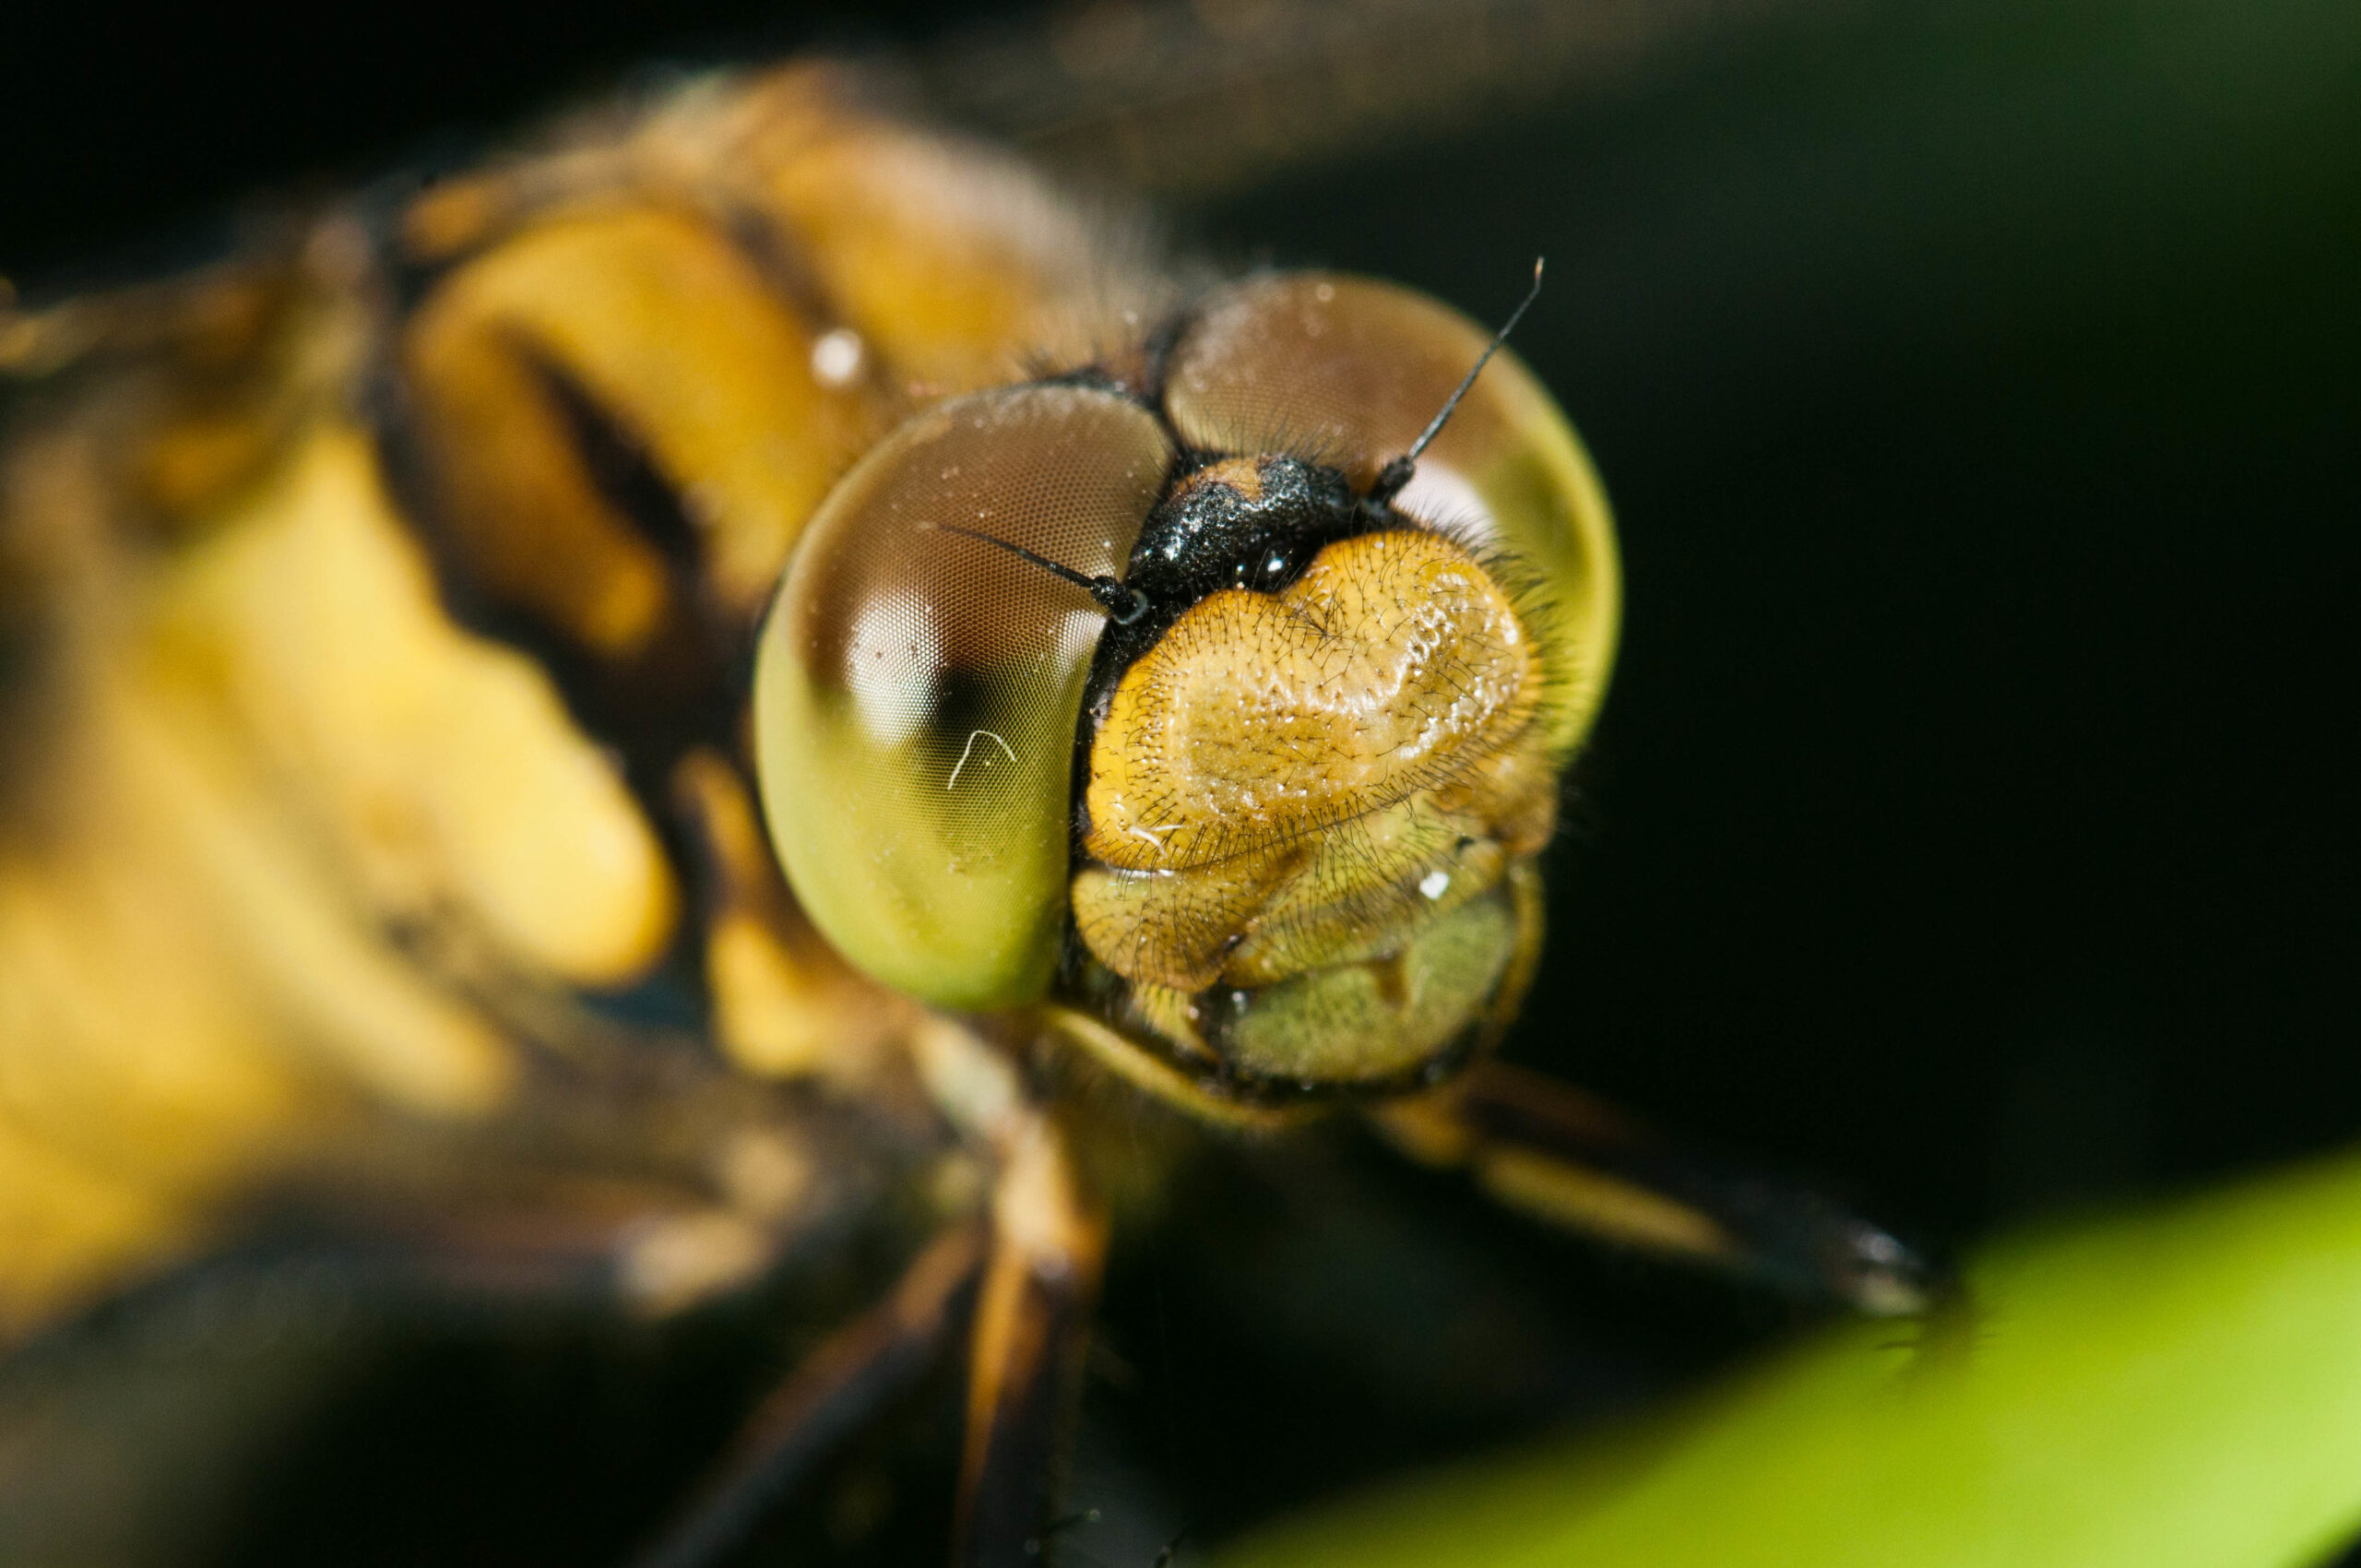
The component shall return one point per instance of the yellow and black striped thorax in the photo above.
(382, 611)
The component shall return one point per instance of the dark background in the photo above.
(1972, 825)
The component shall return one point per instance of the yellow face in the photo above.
(1302, 806)
(1132, 696)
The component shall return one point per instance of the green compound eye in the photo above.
(917, 688)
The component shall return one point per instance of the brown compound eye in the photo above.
(917, 684)
(1348, 371)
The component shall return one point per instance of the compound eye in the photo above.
(917, 689)
(1348, 371)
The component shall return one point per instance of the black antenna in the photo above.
(1124, 606)
(1398, 470)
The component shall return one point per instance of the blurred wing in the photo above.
(1193, 99)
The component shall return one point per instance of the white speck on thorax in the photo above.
(836, 357)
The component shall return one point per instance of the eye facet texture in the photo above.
(917, 690)
(1346, 372)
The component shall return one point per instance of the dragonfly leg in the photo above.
(1558, 1154)
(1032, 1321)
(828, 1398)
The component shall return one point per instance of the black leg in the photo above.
(1032, 1322)
(825, 1399)
(1554, 1152)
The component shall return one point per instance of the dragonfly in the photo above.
(750, 685)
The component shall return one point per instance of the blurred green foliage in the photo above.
(2180, 1386)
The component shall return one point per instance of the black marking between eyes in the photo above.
(1206, 537)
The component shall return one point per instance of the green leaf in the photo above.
(2177, 1386)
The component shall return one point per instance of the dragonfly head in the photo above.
(1182, 701)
